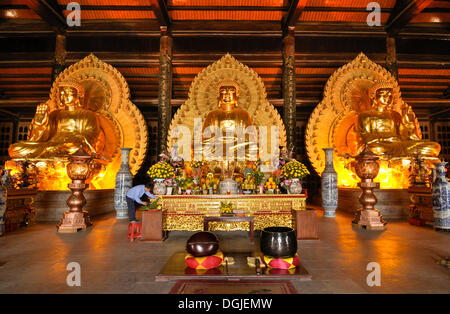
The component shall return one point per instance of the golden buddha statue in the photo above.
(232, 122)
(387, 133)
(60, 132)
(249, 183)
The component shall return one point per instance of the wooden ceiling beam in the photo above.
(295, 11)
(50, 13)
(160, 9)
(403, 13)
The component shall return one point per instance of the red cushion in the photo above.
(204, 262)
(282, 263)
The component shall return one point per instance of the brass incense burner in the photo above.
(367, 168)
(79, 170)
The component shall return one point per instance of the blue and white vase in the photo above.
(441, 198)
(329, 185)
(124, 182)
(6, 180)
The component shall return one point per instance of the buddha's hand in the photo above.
(407, 114)
(41, 115)
(39, 124)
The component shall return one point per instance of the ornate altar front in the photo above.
(186, 212)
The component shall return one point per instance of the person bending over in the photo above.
(134, 195)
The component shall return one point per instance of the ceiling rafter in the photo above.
(295, 11)
(403, 13)
(160, 9)
(50, 12)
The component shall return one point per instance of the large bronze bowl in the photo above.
(202, 244)
(278, 242)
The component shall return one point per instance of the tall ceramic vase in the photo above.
(329, 185)
(124, 182)
(441, 198)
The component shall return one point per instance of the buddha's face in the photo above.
(227, 94)
(383, 97)
(68, 96)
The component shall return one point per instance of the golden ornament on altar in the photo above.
(249, 183)
(90, 106)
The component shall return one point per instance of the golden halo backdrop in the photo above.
(332, 122)
(108, 94)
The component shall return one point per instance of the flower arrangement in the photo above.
(174, 160)
(197, 171)
(259, 176)
(285, 157)
(161, 170)
(152, 205)
(197, 164)
(294, 169)
(187, 184)
(170, 182)
(286, 183)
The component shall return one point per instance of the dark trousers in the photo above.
(131, 209)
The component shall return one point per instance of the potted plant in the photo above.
(152, 205)
(158, 172)
(259, 177)
(294, 171)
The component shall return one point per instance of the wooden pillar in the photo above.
(59, 62)
(165, 89)
(288, 86)
(391, 56)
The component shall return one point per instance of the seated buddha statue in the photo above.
(228, 123)
(60, 132)
(388, 133)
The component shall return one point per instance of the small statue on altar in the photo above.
(249, 184)
(61, 132)
(388, 133)
(209, 184)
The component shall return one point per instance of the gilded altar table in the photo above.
(186, 212)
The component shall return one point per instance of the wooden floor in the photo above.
(35, 260)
